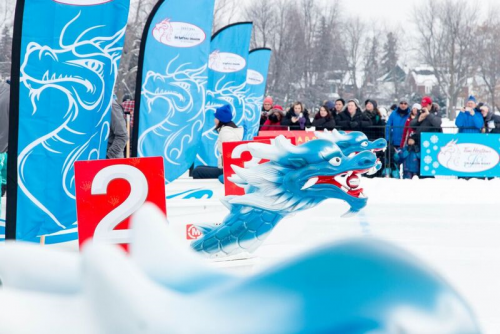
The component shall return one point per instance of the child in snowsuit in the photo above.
(409, 156)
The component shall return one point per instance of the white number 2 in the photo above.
(104, 231)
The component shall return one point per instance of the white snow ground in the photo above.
(453, 225)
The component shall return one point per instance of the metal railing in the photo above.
(375, 132)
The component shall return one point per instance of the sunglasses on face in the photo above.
(403, 102)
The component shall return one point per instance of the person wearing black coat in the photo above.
(352, 119)
(491, 121)
(297, 117)
(323, 120)
(377, 129)
(426, 121)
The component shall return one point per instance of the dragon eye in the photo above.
(364, 144)
(335, 161)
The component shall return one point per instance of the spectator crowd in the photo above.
(401, 126)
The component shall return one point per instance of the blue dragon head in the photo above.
(300, 177)
(354, 142)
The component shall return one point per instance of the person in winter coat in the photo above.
(408, 130)
(396, 122)
(118, 135)
(426, 120)
(470, 119)
(409, 156)
(372, 112)
(339, 108)
(4, 132)
(228, 132)
(323, 120)
(491, 121)
(352, 119)
(297, 118)
(274, 118)
(266, 108)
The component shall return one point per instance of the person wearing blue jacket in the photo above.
(396, 123)
(470, 119)
(409, 156)
(394, 133)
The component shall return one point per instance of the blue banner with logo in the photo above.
(258, 66)
(462, 154)
(172, 77)
(66, 55)
(227, 76)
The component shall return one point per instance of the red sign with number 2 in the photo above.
(108, 192)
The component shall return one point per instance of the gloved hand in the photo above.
(302, 122)
(354, 125)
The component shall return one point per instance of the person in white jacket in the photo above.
(228, 132)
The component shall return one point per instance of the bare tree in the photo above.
(354, 35)
(488, 51)
(446, 31)
(225, 12)
(261, 13)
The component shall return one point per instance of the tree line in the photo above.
(320, 51)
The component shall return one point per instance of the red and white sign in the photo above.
(108, 192)
(192, 233)
(242, 159)
(301, 137)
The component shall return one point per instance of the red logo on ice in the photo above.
(192, 233)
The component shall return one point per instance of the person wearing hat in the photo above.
(396, 123)
(274, 118)
(266, 108)
(426, 120)
(409, 156)
(394, 133)
(228, 132)
(491, 121)
(470, 119)
(352, 119)
(415, 109)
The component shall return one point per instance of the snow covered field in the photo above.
(453, 225)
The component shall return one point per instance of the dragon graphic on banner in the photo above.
(173, 86)
(66, 89)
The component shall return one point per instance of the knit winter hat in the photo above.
(224, 113)
(416, 105)
(356, 102)
(268, 100)
(472, 98)
(426, 101)
(375, 105)
(330, 105)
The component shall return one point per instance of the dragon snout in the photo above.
(366, 159)
(380, 144)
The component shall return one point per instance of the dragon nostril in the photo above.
(367, 161)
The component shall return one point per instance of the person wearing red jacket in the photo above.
(407, 129)
(274, 117)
